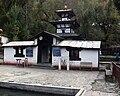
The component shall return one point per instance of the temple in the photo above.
(65, 27)
(62, 49)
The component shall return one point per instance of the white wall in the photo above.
(65, 18)
(4, 39)
(64, 56)
(59, 31)
(90, 56)
(67, 30)
(56, 41)
(34, 58)
(85, 55)
(9, 53)
(35, 41)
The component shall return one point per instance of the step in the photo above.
(101, 68)
(42, 66)
(102, 65)
(105, 62)
(107, 59)
(107, 56)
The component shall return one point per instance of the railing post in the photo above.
(68, 66)
(116, 73)
(59, 66)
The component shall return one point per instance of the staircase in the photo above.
(104, 60)
(42, 66)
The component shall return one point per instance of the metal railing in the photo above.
(116, 72)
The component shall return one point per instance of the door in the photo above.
(44, 54)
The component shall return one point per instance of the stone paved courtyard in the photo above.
(92, 81)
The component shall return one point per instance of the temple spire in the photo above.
(65, 7)
(67, 24)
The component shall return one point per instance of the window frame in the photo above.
(19, 52)
(73, 55)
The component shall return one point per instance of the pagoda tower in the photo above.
(66, 25)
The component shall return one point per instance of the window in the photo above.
(63, 15)
(74, 54)
(29, 52)
(19, 52)
(62, 25)
(63, 30)
(66, 15)
(58, 26)
(67, 25)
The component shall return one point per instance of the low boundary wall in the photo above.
(43, 88)
(116, 72)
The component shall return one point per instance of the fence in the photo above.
(116, 72)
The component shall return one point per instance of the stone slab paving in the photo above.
(92, 81)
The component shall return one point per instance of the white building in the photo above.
(20, 50)
(77, 54)
(3, 39)
(37, 51)
(62, 49)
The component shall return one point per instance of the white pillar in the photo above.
(59, 66)
(68, 66)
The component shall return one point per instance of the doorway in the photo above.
(45, 50)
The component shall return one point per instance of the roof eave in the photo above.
(75, 47)
(54, 35)
(20, 46)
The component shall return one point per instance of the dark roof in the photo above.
(74, 23)
(72, 36)
(48, 33)
(68, 11)
(67, 34)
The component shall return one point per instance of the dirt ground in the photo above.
(92, 81)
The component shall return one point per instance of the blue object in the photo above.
(56, 51)
(29, 52)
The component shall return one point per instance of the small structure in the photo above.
(37, 51)
(3, 39)
(18, 51)
(77, 54)
(61, 49)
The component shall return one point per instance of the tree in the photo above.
(98, 19)
(107, 19)
(12, 17)
(117, 4)
(13, 25)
